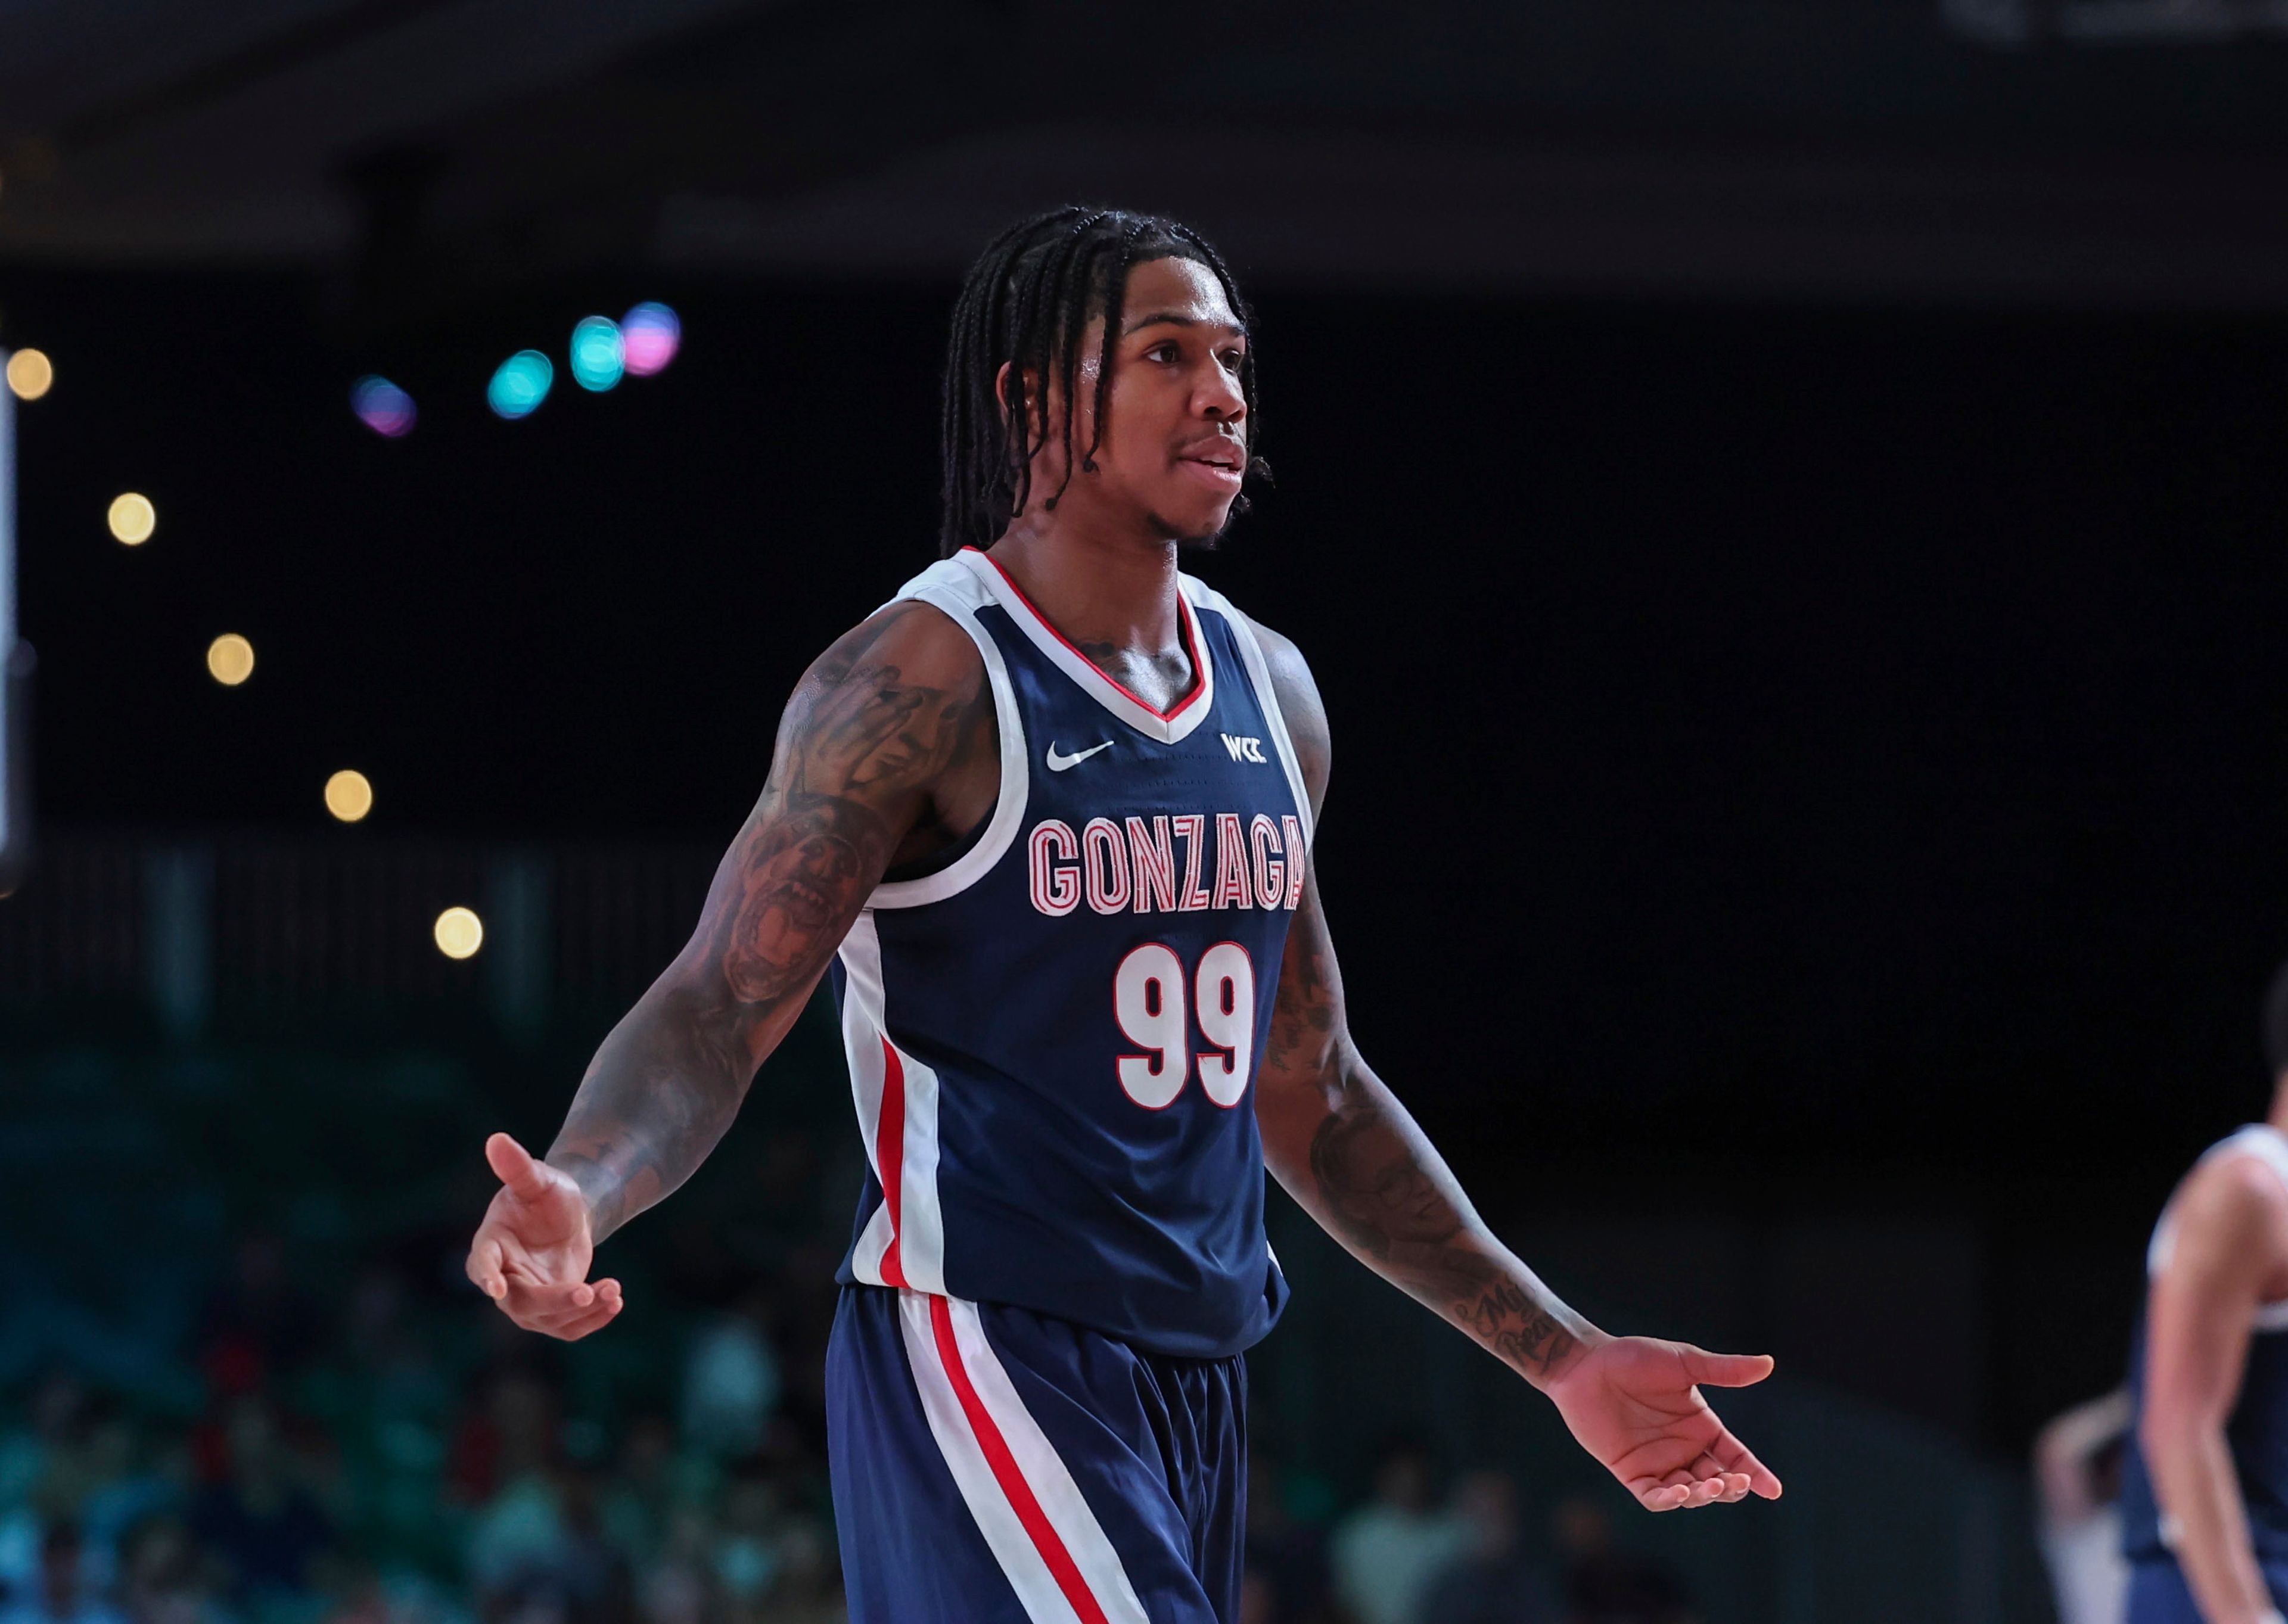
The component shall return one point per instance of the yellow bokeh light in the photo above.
(230, 660)
(459, 932)
(348, 795)
(30, 374)
(133, 518)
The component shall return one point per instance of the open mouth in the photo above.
(1218, 467)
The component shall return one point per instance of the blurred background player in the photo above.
(1037, 1380)
(2078, 1483)
(2205, 1501)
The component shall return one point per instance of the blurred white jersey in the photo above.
(2089, 1573)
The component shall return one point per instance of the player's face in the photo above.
(1175, 445)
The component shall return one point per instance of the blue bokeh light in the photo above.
(599, 358)
(520, 385)
(382, 407)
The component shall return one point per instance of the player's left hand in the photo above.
(1634, 1403)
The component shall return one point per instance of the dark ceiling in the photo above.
(2075, 152)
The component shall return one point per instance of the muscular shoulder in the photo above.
(910, 641)
(1298, 693)
(898, 702)
(2235, 1206)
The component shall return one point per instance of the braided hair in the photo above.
(1026, 304)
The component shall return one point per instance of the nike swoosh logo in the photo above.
(1058, 764)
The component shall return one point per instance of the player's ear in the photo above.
(1036, 406)
(1037, 398)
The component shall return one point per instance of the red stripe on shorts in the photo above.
(1019, 1492)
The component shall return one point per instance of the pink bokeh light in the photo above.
(652, 332)
(384, 408)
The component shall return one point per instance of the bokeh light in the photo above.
(459, 932)
(132, 518)
(230, 660)
(649, 336)
(348, 795)
(597, 356)
(520, 385)
(382, 407)
(30, 374)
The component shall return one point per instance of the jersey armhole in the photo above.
(1000, 828)
(1267, 697)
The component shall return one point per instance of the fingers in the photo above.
(1734, 1484)
(1733, 1456)
(1684, 1492)
(515, 1168)
(532, 1302)
(1724, 1369)
(605, 1309)
(567, 1312)
(1726, 1475)
(1681, 1493)
(487, 1270)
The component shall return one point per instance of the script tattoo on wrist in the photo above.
(859, 745)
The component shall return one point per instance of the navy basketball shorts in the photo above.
(2159, 1595)
(995, 1466)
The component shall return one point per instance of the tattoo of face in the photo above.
(1376, 1186)
(792, 896)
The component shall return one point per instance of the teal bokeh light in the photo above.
(520, 385)
(599, 356)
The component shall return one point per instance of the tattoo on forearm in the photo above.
(1521, 1331)
(859, 741)
(1304, 1013)
(1384, 1191)
(1367, 1174)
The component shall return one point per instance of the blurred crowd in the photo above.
(1406, 1556)
(361, 1440)
(359, 1474)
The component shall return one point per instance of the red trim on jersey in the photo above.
(1184, 626)
(1006, 1472)
(890, 1155)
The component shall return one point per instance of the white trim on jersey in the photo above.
(954, 590)
(2264, 1142)
(1032, 1514)
(1171, 727)
(904, 1243)
(1266, 698)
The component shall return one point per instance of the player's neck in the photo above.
(1096, 585)
(2278, 1115)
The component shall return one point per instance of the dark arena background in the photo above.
(1785, 507)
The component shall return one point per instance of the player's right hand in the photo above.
(532, 1252)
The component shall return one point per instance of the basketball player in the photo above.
(2204, 1494)
(1047, 815)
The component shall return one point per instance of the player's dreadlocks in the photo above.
(1027, 303)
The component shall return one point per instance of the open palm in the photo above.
(1634, 1403)
(532, 1252)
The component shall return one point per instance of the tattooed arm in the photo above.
(1337, 1140)
(887, 752)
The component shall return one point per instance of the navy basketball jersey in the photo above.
(2257, 1430)
(1052, 1040)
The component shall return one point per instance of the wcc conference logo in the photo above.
(1245, 749)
